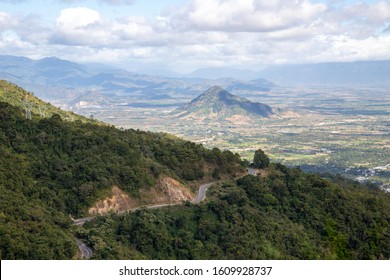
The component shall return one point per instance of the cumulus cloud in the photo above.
(245, 15)
(86, 27)
(79, 26)
(209, 32)
(370, 13)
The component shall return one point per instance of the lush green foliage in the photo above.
(260, 159)
(50, 168)
(288, 215)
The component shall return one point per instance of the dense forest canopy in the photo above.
(287, 215)
(51, 168)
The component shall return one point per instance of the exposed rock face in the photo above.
(119, 201)
(173, 191)
(166, 191)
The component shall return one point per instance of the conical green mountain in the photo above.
(217, 103)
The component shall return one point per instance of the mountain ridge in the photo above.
(61, 81)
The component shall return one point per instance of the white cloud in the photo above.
(372, 13)
(6, 21)
(81, 26)
(209, 32)
(244, 15)
(86, 27)
(133, 29)
(76, 18)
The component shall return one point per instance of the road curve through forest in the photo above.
(201, 195)
(86, 252)
(202, 192)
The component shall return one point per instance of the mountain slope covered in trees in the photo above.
(286, 215)
(51, 169)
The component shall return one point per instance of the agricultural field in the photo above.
(335, 130)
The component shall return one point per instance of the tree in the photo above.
(260, 160)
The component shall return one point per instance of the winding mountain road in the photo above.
(86, 252)
(201, 195)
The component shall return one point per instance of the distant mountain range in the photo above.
(83, 88)
(218, 104)
(73, 84)
(370, 73)
(221, 72)
(374, 73)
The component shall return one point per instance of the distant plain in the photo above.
(339, 130)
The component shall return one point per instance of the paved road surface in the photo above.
(202, 192)
(81, 221)
(201, 195)
(86, 252)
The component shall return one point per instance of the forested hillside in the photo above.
(51, 168)
(287, 215)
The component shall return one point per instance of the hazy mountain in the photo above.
(224, 72)
(250, 86)
(331, 74)
(162, 72)
(376, 73)
(69, 84)
(217, 103)
(49, 70)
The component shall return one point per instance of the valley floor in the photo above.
(342, 130)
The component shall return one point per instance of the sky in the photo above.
(184, 35)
